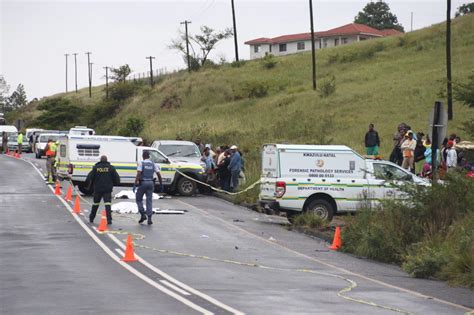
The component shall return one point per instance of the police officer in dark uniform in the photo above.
(103, 177)
(146, 185)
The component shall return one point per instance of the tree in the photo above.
(464, 92)
(378, 15)
(17, 100)
(59, 113)
(132, 128)
(121, 73)
(465, 9)
(4, 88)
(200, 45)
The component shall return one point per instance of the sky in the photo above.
(35, 35)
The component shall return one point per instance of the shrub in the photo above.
(133, 127)
(327, 87)
(121, 91)
(310, 220)
(269, 61)
(424, 260)
(59, 113)
(254, 89)
(464, 92)
(238, 64)
(171, 101)
(333, 58)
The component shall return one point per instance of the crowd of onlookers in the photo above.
(224, 166)
(410, 148)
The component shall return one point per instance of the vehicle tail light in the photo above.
(70, 168)
(280, 189)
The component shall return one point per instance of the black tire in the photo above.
(38, 156)
(322, 208)
(186, 186)
(85, 189)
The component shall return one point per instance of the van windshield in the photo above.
(180, 150)
(46, 138)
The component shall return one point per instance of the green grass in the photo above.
(384, 81)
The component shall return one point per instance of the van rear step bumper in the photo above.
(270, 206)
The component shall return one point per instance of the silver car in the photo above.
(180, 151)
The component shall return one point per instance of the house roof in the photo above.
(348, 29)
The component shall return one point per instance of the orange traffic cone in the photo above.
(103, 223)
(57, 190)
(129, 253)
(336, 243)
(77, 205)
(68, 196)
(16, 155)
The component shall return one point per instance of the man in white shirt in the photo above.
(451, 156)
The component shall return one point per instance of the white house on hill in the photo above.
(294, 43)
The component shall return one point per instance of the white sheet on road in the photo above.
(131, 207)
(129, 194)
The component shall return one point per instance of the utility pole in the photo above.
(66, 70)
(89, 71)
(106, 81)
(151, 69)
(411, 22)
(75, 69)
(235, 33)
(448, 62)
(313, 49)
(186, 22)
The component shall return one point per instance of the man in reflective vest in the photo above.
(146, 185)
(50, 150)
(19, 140)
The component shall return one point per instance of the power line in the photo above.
(89, 71)
(235, 33)
(186, 22)
(66, 70)
(75, 69)
(151, 69)
(313, 49)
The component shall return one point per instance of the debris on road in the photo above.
(129, 194)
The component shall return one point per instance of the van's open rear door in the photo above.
(269, 172)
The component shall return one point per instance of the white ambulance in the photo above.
(77, 155)
(326, 179)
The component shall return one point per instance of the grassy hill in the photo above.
(384, 81)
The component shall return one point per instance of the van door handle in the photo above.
(338, 180)
(353, 181)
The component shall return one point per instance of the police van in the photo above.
(327, 179)
(77, 155)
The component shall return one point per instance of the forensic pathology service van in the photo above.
(77, 154)
(326, 179)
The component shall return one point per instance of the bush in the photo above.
(121, 91)
(310, 220)
(171, 101)
(59, 114)
(431, 235)
(254, 89)
(269, 61)
(464, 92)
(238, 64)
(327, 87)
(133, 127)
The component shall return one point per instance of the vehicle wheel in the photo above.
(321, 208)
(85, 189)
(186, 187)
(37, 155)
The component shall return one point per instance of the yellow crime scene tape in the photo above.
(341, 293)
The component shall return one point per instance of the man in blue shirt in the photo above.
(146, 185)
(235, 166)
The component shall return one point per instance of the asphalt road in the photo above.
(217, 258)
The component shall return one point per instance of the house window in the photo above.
(300, 46)
(363, 38)
(256, 48)
(325, 43)
(320, 44)
(343, 41)
(282, 47)
(270, 47)
(336, 41)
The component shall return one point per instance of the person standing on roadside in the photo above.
(372, 141)
(50, 151)
(19, 140)
(408, 149)
(235, 166)
(146, 185)
(451, 156)
(103, 178)
(4, 142)
(223, 171)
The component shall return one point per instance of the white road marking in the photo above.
(125, 265)
(172, 286)
(418, 294)
(121, 253)
(177, 282)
